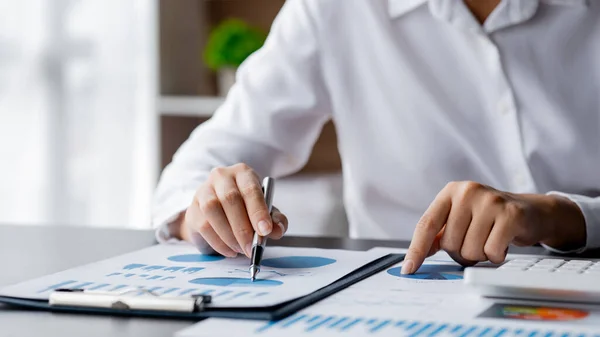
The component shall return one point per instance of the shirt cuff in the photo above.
(169, 211)
(590, 207)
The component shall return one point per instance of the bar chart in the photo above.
(359, 326)
(222, 295)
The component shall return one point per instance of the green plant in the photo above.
(230, 43)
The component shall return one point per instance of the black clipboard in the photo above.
(276, 312)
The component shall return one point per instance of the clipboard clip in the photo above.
(128, 300)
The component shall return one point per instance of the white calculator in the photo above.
(539, 279)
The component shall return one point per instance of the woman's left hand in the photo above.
(474, 222)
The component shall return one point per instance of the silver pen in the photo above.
(259, 242)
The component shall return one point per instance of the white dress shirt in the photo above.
(421, 94)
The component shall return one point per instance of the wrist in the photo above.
(566, 224)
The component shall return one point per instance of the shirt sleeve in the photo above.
(270, 119)
(590, 207)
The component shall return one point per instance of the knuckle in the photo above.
(204, 226)
(470, 187)
(251, 191)
(452, 184)
(280, 217)
(242, 167)
(233, 197)
(242, 232)
(472, 254)
(209, 204)
(449, 245)
(259, 214)
(494, 198)
(494, 252)
(417, 251)
(425, 224)
(218, 172)
(465, 191)
(514, 211)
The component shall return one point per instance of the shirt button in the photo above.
(504, 106)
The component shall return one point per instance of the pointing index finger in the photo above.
(430, 224)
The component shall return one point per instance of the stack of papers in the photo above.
(179, 270)
(433, 302)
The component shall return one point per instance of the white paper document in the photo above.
(432, 302)
(179, 270)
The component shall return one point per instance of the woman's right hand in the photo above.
(226, 211)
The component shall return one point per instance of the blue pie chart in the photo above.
(289, 262)
(195, 258)
(432, 272)
(235, 282)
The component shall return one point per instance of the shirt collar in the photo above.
(398, 8)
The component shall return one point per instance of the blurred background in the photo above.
(97, 95)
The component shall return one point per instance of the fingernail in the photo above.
(282, 227)
(249, 250)
(407, 267)
(238, 250)
(264, 228)
(232, 255)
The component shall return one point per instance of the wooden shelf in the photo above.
(191, 106)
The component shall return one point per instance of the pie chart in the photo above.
(445, 272)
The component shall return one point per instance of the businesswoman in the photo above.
(479, 124)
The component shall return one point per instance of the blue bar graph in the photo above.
(174, 269)
(99, 286)
(335, 325)
(133, 266)
(338, 322)
(192, 270)
(421, 330)
(221, 295)
(152, 268)
(319, 324)
(168, 291)
(381, 325)
(438, 330)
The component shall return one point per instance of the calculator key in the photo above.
(568, 271)
(592, 271)
(511, 268)
(579, 262)
(551, 262)
(540, 270)
(521, 261)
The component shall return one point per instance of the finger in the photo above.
(208, 237)
(280, 224)
(426, 230)
(457, 224)
(212, 212)
(436, 245)
(477, 235)
(254, 200)
(212, 238)
(236, 230)
(496, 245)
